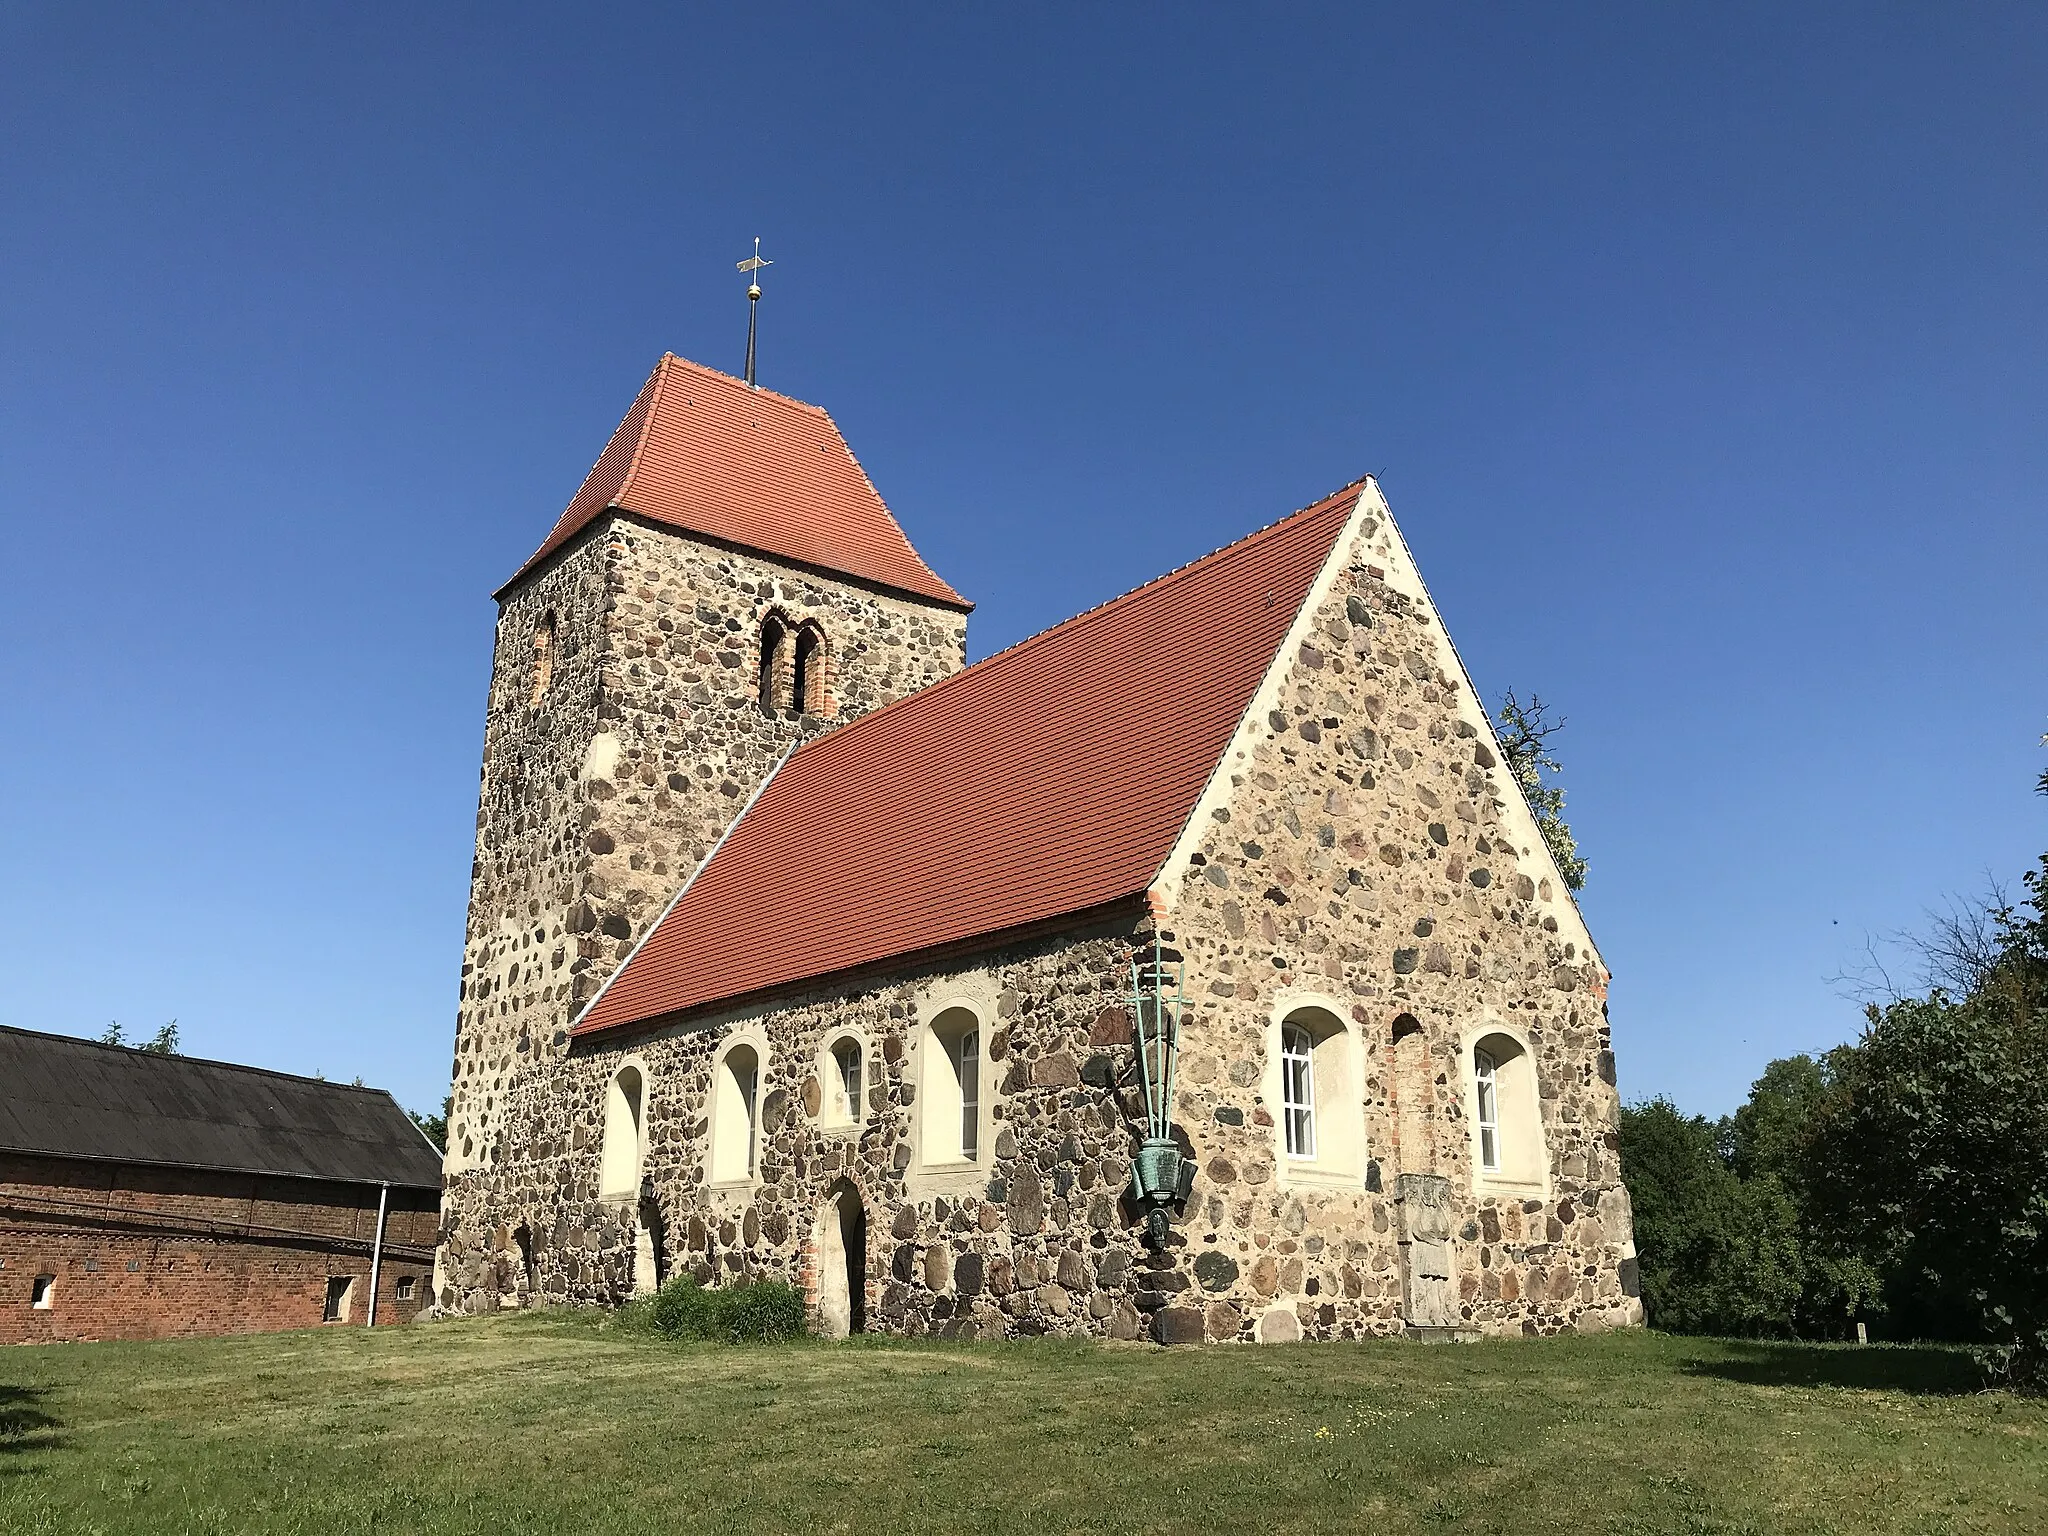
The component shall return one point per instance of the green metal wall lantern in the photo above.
(1159, 1177)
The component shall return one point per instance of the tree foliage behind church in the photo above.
(1525, 730)
(1901, 1180)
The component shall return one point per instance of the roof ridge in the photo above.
(1030, 640)
(660, 383)
(195, 1061)
(753, 389)
(887, 510)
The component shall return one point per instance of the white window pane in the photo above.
(1297, 1091)
(1486, 1092)
(970, 1094)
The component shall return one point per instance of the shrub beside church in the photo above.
(797, 950)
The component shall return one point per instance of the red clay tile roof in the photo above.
(702, 452)
(1046, 780)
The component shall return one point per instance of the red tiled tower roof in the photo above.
(1048, 780)
(703, 452)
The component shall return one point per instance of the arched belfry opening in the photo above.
(839, 1248)
(774, 641)
(807, 678)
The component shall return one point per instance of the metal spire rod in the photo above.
(752, 266)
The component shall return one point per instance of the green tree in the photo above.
(1524, 731)
(163, 1043)
(1715, 1255)
(434, 1127)
(1931, 1155)
(1765, 1143)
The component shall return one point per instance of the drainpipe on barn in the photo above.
(377, 1251)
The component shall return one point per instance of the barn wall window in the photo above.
(735, 1114)
(1505, 1106)
(543, 658)
(625, 1134)
(1314, 1075)
(340, 1292)
(404, 1289)
(950, 1089)
(774, 641)
(43, 1295)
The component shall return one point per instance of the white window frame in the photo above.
(622, 1137)
(1298, 1091)
(953, 1117)
(1312, 1084)
(1486, 1093)
(750, 1099)
(1507, 1139)
(742, 1099)
(965, 1053)
(849, 1087)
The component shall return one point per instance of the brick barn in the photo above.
(146, 1196)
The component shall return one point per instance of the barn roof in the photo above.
(1043, 782)
(65, 1097)
(707, 453)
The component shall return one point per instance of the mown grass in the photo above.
(551, 1424)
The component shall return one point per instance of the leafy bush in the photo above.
(759, 1312)
(1716, 1254)
(1933, 1158)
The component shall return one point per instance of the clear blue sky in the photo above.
(1701, 352)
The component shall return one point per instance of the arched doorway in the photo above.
(650, 1246)
(840, 1243)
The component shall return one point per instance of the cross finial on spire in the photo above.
(752, 267)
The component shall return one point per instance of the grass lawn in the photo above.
(545, 1423)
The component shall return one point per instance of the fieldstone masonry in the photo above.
(1362, 853)
(602, 791)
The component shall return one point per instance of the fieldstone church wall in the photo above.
(616, 750)
(1371, 858)
(1362, 854)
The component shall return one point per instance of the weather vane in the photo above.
(752, 267)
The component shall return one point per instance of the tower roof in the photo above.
(703, 452)
(1048, 780)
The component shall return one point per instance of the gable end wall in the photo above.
(1365, 851)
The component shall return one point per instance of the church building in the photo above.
(1193, 970)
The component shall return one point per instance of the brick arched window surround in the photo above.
(1411, 1095)
(810, 670)
(774, 661)
(543, 658)
(1504, 1109)
(733, 1153)
(624, 1149)
(1315, 1088)
(794, 666)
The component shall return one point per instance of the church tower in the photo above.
(725, 584)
